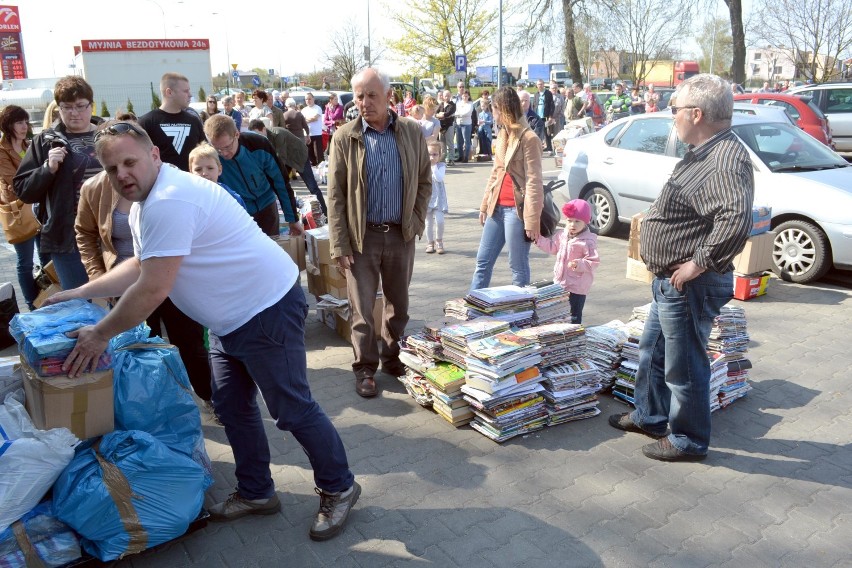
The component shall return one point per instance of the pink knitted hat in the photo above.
(578, 209)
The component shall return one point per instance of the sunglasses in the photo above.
(675, 109)
(118, 129)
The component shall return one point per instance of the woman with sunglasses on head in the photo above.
(211, 109)
(51, 174)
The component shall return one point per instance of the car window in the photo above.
(784, 147)
(839, 100)
(815, 109)
(791, 109)
(610, 136)
(649, 136)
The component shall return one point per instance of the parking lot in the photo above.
(774, 491)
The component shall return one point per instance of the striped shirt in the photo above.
(703, 213)
(384, 174)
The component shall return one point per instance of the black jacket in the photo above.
(53, 192)
(548, 103)
(449, 110)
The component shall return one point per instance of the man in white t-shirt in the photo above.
(193, 243)
(313, 115)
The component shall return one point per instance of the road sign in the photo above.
(234, 66)
(271, 71)
(256, 81)
(461, 62)
(236, 75)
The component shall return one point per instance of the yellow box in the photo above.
(636, 270)
(84, 405)
(318, 245)
(756, 256)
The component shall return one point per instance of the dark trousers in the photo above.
(388, 257)
(315, 152)
(188, 336)
(307, 175)
(267, 219)
(577, 301)
(268, 353)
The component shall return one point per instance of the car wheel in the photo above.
(800, 252)
(604, 211)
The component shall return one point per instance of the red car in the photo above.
(805, 113)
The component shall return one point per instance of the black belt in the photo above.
(664, 274)
(382, 227)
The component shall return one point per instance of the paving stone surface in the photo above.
(775, 490)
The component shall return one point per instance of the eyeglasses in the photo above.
(212, 101)
(80, 107)
(118, 129)
(221, 149)
(431, 155)
(675, 109)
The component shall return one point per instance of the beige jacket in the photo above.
(347, 184)
(518, 153)
(9, 162)
(93, 225)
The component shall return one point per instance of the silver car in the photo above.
(835, 101)
(621, 170)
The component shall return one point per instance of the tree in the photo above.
(202, 96)
(346, 56)
(155, 99)
(735, 10)
(716, 45)
(104, 109)
(563, 31)
(429, 44)
(817, 32)
(647, 30)
(130, 106)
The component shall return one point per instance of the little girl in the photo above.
(437, 203)
(576, 250)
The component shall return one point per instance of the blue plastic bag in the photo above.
(54, 542)
(152, 393)
(132, 483)
(41, 334)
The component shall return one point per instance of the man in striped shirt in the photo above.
(692, 232)
(379, 184)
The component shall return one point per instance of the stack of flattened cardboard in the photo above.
(635, 267)
(751, 266)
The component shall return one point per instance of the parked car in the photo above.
(800, 108)
(474, 82)
(772, 114)
(665, 94)
(835, 102)
(621, 170)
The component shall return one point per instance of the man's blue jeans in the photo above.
(463, 141)
(673, 380)
(268, 353)
(501, 228)
(69, 267)
(307, 174)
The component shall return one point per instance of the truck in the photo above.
(561, 77)
(668, 72)
(487, 74)
(536, 71)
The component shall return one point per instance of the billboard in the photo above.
(12, 61)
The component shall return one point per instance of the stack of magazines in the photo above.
(550, 302)
(455, 338)
(502, 361)
(625, 375)
(445, 381)
(603, 348)
(513, 304)
(560, 342)
(570, 391)
(511, 413)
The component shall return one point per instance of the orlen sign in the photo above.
(9, 19)
(93, 45)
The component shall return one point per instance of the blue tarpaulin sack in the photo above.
(128, 492)
(152, 393)
(38, 539)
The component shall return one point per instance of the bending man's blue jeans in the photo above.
(69, 267)
(503, 227)
(268, 353)
(307, 174)
(673, 380)
(463, 141)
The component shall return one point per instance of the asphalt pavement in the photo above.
(775, 490)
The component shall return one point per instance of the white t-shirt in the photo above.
(231, 271)
(316, 126)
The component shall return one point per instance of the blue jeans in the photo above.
(484, 134)
(69, 267)
(501, 228)
(463, 141)
(307, 174)
(24, 251)
(577, 301)
(268, 353)
(673, 380)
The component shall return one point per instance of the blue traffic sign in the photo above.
(461, 63)
(235, 74)
(256, 81)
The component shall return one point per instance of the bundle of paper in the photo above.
(509, 303)
(603, 347)
(560, 342)
(571, 407)
(458, 309)
(452, 408)
(425, 347)
(510, 413)
(418, 387)
(455, 338)
(551, 303)
(445, 377)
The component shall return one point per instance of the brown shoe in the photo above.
(624, 422)
(663, 450)
(366, 387)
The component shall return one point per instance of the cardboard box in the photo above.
(756, 256)
(748, 287)
(84, 405)
(318, 246)
(45, 294)
(761, 218)
(294, 246)
(327, 317)
(636, 271)
(50, 270)
(343, 319)
(633, 241)
(316, 284)
(335, 280)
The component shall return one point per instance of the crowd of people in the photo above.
(148, 219)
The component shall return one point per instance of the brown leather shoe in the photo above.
(366, 387)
